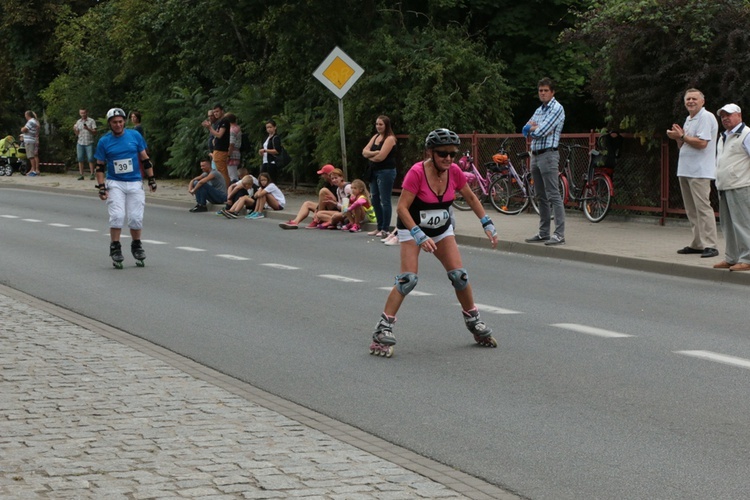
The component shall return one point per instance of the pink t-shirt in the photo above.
(430, 211)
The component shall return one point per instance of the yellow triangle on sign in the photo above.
(338, 72)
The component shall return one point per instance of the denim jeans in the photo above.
(545, 170)
(381, 188)
(208, 193)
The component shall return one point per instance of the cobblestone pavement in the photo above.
(87, 411)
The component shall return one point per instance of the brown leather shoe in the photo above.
(740, 266)
(723, 265)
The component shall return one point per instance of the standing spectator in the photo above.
(545, 128)
(695, 169)
(733, 184)
(117, 156)
(135, 119)
(235, 143)
(208, 187)
(85, 129)
(30, 133)
(381, 158)
(270, 150)
(220, 133)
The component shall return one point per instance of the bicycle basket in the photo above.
(464, 163)
(500, 158)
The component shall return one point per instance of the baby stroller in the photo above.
(12, 157)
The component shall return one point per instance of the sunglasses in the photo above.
(445, 154)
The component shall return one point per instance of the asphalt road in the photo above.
(607, 384)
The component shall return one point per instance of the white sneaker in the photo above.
(391, 241)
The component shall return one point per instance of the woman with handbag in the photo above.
(381, 156)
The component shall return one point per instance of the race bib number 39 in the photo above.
(123, 166)
(433, 219)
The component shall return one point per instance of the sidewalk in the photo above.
(639, 245)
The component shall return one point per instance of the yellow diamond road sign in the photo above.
(338, 72)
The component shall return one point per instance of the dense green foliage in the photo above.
(646, 53)
(471, 65)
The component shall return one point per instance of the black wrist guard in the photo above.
(102, 189)
(152, 183)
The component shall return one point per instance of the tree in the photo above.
(646, 53)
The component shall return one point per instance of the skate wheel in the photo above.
(140, 263)
(118, 265)
(489, 342)
(389, 352)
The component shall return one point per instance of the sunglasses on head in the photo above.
(445, 154)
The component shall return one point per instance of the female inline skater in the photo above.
(424, 224)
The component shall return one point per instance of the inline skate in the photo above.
(115, 252)
(138, 254)
(482, 333)
(383, 339)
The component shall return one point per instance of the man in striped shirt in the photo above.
(544, 128)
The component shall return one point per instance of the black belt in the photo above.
(542, 151)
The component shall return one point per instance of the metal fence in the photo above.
(645, 177)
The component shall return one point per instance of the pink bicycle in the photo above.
(481, 185)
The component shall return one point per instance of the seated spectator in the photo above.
(208, 187)
(360, 209)
(325, 219)
(326, 201)
(267, 195)
(240, 196)
(233, 194)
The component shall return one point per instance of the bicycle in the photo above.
(594, 194)
(481, 185)
(512, 192)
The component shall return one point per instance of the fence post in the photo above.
(664, 180)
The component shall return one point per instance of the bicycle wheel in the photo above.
(533, 198)
(598, 198)
(507, 196)
(460, 203)
(564, 189)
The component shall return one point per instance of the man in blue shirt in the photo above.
(545, 128)
(119, 155)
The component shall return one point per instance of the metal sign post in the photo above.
(338, 72)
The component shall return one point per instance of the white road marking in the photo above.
(280, 266)
(496, 310)
(31, 220)
(231, 257)
(719, 358)
(415, 293)
(9, 216)
(57, 224)
(154, 242)
(590, 330)
(336, 277)
(86, 230)
(191, 249)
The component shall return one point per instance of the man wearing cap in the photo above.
(326, 201)
(733, 184)
(695, 169)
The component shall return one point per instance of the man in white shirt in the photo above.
(85, 129)
(695, 170)
(733, 184)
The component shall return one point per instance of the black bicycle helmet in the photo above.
(441, 137)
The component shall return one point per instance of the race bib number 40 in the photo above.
(433, 219)
(123, 166)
